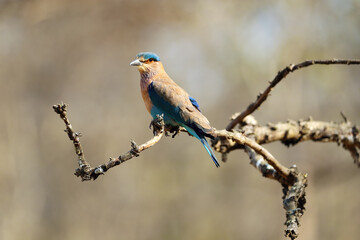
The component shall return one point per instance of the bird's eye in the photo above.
(150, 60)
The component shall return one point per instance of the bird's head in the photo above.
(147, 62)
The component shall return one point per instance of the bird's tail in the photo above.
(210, 152)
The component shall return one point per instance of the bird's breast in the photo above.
(144, 85)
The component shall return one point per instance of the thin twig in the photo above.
(85, 171)
(281, 75)
(61, 109)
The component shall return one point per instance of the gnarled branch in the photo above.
(239, 138)
(292, 180)
(292, 132)
(294, 202)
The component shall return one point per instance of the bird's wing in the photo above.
(166, 95)
(194, 103)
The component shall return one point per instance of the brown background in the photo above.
(223, 53)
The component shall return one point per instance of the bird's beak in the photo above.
(136, 63)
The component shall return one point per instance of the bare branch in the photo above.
(61, 109)
(281, 75)
(293, 182)
(294, 202)
(263, 166)
(241, 139)
(85, 171)
(292, 132)
(249, 136)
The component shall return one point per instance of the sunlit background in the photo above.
(223, 53)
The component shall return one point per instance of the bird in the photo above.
(162, 96)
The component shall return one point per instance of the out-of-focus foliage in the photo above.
(223, 53)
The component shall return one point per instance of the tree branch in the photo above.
(249, 136)
(289, 133)
(238, 138)
(281, 75)
(292, 132)
(294, 195)
(85, 171)
(293, 181)
(263, 166)
(294, 202)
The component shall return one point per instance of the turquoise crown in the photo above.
(148, 56)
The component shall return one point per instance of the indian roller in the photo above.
(162, 96)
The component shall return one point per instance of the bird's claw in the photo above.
(157, 124)
(176, 130)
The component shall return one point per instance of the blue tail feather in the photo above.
(204, 143)
(208, 149)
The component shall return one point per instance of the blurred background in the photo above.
(223, 53)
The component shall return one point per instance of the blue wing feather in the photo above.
(194, 103)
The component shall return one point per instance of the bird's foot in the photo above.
(157, 124)
(176, 131)
(173, 130)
